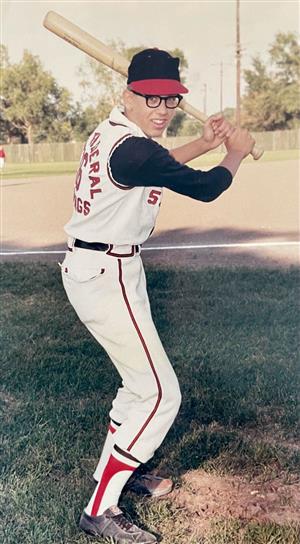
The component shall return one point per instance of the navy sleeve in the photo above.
(141, 162)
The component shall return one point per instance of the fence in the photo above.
(70, 151)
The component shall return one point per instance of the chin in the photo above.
(155, 133)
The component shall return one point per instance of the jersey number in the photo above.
(153, 196)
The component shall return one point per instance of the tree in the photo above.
(176, 124)
(4, 60)
(272, 96)
(84, 121)
(32, 103)
(102, 86)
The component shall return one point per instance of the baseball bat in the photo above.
(73, 34)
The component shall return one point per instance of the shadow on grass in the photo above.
(255, 256)
(231, 335)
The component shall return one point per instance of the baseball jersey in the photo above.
(118, 187)
(105, 210)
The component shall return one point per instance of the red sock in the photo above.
(115, 475)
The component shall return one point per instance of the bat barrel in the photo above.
(73, 34)
(85, 42)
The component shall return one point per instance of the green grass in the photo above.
(268, 156)
(232, 336)
(24, 170)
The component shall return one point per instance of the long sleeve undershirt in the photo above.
(142, 162)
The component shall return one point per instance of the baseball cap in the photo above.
(155, 72)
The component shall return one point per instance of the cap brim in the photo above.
(158, 87)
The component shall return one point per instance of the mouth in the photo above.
(159, 123)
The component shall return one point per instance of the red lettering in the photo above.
(78, 179)
(94, 180)
(94, 153)
(95, 138)
(154, 196)
(79, 205)
(94, 167)
(85, 159)
(86, 207)
(93, 191)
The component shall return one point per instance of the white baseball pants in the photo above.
(109, 295)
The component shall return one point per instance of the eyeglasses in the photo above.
(154, 101)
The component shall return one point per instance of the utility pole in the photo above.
(204, 97)
(221, 87)
(238, 65)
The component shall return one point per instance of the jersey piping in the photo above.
(109, 172)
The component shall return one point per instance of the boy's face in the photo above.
(152, 121)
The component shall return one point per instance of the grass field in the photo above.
(233, 338)
(25, 170)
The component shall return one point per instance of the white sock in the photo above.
(116, 473)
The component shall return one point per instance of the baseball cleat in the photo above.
(114, 525)
(149, 485)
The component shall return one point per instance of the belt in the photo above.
(110, 249)
(96, 246)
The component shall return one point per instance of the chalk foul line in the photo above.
(166, 248)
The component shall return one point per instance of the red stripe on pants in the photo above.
(111, 429)
(159, 389)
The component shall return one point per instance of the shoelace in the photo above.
(123, 522)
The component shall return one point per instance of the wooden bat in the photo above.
(94, 48)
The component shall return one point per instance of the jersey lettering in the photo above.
(83, 163)
(81, 206)
(94, 167)
(94, 153)
(95, 139)
(78, 179)
(154, 196)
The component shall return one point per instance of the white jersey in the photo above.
(104, 210)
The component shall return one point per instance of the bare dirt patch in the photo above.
(262, 205)
(204, 497)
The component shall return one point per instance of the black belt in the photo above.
(109, 248)
(96, 246)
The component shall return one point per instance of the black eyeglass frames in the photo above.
(154, 101)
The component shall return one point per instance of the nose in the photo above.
(162, 108)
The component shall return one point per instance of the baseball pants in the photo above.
(110, 297)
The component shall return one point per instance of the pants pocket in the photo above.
(80, 270)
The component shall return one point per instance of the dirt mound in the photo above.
(204, 497)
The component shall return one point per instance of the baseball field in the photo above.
(223, 280)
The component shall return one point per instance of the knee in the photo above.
(171, 398)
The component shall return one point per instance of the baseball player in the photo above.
(2, 157)
(117, 194)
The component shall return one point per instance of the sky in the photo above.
(204, 30)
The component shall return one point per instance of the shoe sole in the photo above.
(88, 529)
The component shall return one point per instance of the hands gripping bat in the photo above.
(96, 49)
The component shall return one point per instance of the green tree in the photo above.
(7, 132)
(272, 95)
(84, 121)
(32, 103)
(176, 124)
(102, 86)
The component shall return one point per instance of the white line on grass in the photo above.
(165, 248)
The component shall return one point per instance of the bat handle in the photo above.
(256, 152)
